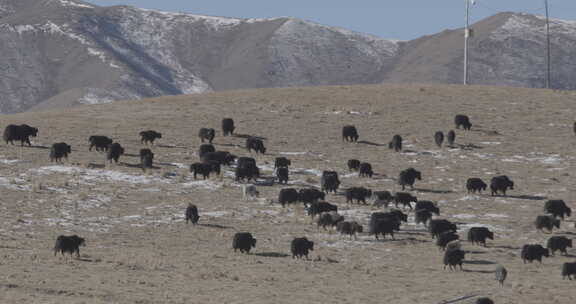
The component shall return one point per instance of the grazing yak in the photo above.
(191, 214)
(408, 177)
(288, 196)
(546, 221)
(427, 205)
(146, 158)
(557, 208)
(149, 136)
(70, 244)
(439, 138)
(383, 223)
(462, 120)
(396, 143)
(453, 258)
(317, 208)
(243, 241)
(222, 157)
(500, 274)
(451, 138)
(559, 243)
(350, 228)
(435, 227)
(247, 171)
(484, 300)
(249, 192)
(501, 184)
(204, 169)
(283, 175)
(568, 270)
(300, 247)
(115, 150)
(365, 170)
(256, 144)
(59, 151)
(100, 142)
(382, 198)
(282, 162)
(422, 216)
(206, 134)
(329, 181)
(446, 237)
(20, 133)
(383, 226)
(310, 195)
(330, 219)
(531, 252)
(405, 199)
(349, 134)
(353, 165)
(204, 149)
(478, 235)
(357, 193)
(228, 126)
(475, 184)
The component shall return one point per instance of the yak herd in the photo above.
(381, 224)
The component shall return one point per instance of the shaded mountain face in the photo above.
(59, 53)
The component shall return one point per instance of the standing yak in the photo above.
(396, 143)
(228, 126)
(59, 151)
(439, 138)
(408, 177)
(349, 133)
(21, 133)
(451, 138)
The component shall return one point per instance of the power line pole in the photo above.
(547, 46)
(466, 35)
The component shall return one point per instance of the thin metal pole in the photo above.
(466, 34)
(547, 46)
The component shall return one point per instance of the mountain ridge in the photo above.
(68, 52)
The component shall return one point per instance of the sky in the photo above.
(390, 19)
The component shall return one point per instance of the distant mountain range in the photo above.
(60, 53)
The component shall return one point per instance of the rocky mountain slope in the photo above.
(58, 53)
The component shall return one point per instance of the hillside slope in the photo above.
(139, 249)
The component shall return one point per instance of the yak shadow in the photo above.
(469, 147)
(95, 166)
(477, 271)
(169, 147)
(506, 247)
(248, 136)
(475, 252)
(229, 145)
(479, 262)
(215, 226)
(39, 147)
(433, 191)
(265, 181)
(272, 254)
(365, 142)
(527, 197)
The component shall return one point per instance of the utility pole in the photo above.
(466, 35)
(547, 46)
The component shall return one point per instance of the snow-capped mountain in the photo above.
(58, 53)
(64, 52)
(506, 49)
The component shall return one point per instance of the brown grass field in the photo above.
(139, 250)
